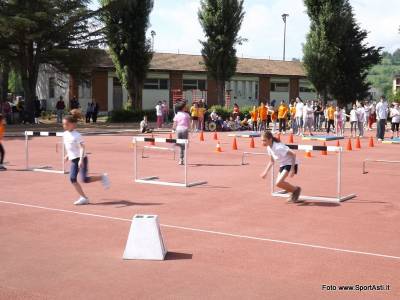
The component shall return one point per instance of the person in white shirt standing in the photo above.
(381, 116)
(159, 114)
(76, 154)
(299, 115)
(308, 118)
(367, 110)
(360, 119)
(395, 114)
(353, 121)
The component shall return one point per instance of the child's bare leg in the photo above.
(78, 189)
(281, 183)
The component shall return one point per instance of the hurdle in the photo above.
(154, 179)
(335, 199)
(46, 169)
(377, 161)
(245, 154)
(158, 149)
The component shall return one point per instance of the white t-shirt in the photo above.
(353, 115)
(279, 151)
(308, 112)
(395, 113)
(361, 114)
(143, 125)
(159, 110)
(72, 142)
(299, 109)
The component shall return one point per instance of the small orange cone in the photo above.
(337, 143)
(170, 136)
(252, 145)
(308, 154)
(371, 142)
(324, 152)
(234, 144)
(218, 149)
(349, 147)
(215, 137)
(291, 140)
(201, 136)
(152, 143)
(358, 143)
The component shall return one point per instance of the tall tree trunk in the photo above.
(4, 82)
(135, 93)
(221, 92)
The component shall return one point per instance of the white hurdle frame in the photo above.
(45, 169)
(336, 199)
(378, 161)
(153, 179)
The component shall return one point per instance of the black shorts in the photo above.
(288, 168)
(195, 118)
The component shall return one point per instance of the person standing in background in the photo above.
(282, 116)
(95, 111)
(60, 107)
(165, 110)
(159, 114)
(74, 103)
(299, 116)
(89, 112)
(395, 114)
(361, 119)
(381, 116)
(367, 110)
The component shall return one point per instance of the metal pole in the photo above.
(284, 42)
(26, 152)
(339, 179)
(186, 181)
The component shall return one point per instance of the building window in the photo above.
(85, 89)
(193, 84)
(281, 87)
(398, 81)
(52, 87)
(156, 84)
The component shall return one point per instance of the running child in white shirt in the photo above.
(76, 154)
(287, 162)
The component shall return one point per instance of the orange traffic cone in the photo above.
(152, 143)
(215, 137)
(349, 147)
(324, 152)
(170, 136)
(234, 144)
(358, 143)
(252, 145)
(308, 154)
(218, 149)
(371, 142)
(337, 143)
(291, 140)
(201, 136)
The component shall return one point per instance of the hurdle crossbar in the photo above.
(377, 161)
(335, 199)
(158, 149)
(154, 179)
(45, 169)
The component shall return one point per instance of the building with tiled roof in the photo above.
(255, 80)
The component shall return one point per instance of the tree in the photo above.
(221, 21)
(126, 23)
(38, 32)
(336, 57)
(4, 77)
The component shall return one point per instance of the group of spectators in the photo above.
(296, 116)
(13, 110)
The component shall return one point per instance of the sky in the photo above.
(177, 28)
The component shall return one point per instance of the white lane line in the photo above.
(210, 231)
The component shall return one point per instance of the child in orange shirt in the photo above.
(282, 116)
(262, 116)
(254, 118)
(2, 151)
(331, 118)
